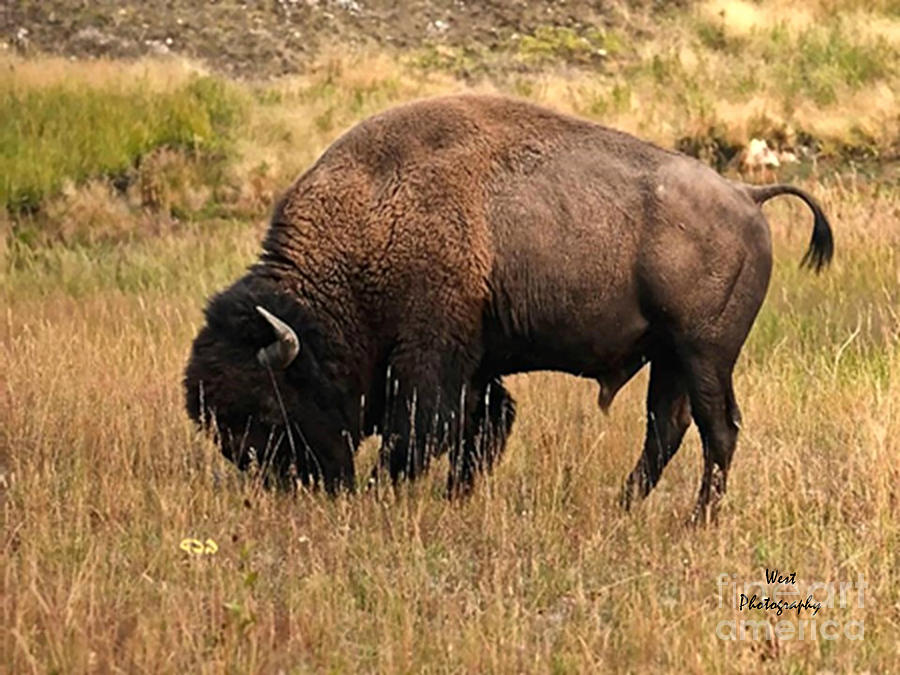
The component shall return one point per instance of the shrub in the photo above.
(49, 135)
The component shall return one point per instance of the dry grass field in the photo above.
(150, 193)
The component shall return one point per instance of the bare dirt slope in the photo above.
(260, 39)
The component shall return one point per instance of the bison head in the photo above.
(259, 379)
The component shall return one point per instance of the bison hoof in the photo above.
(704, 514)
(626, 496)
(634, 490)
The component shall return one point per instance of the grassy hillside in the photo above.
(130, 191)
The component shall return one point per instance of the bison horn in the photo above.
(281, 353)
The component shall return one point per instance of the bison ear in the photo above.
(281, 353)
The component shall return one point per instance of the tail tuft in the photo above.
(821, 245)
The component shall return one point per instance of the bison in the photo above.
(440, 245)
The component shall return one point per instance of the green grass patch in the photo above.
(555, 43)
(72, 133)
(817, 62)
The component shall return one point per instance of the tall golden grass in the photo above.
(102, 476)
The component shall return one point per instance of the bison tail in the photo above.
(821, 245)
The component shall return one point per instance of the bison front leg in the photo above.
(418, 429)
(484, 436)
(668, 417)
(422, 412)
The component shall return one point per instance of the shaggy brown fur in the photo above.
(443, 244)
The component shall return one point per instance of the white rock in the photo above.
(758, 155)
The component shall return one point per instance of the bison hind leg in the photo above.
(484, 436)
(668, 417)
(716, 413)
